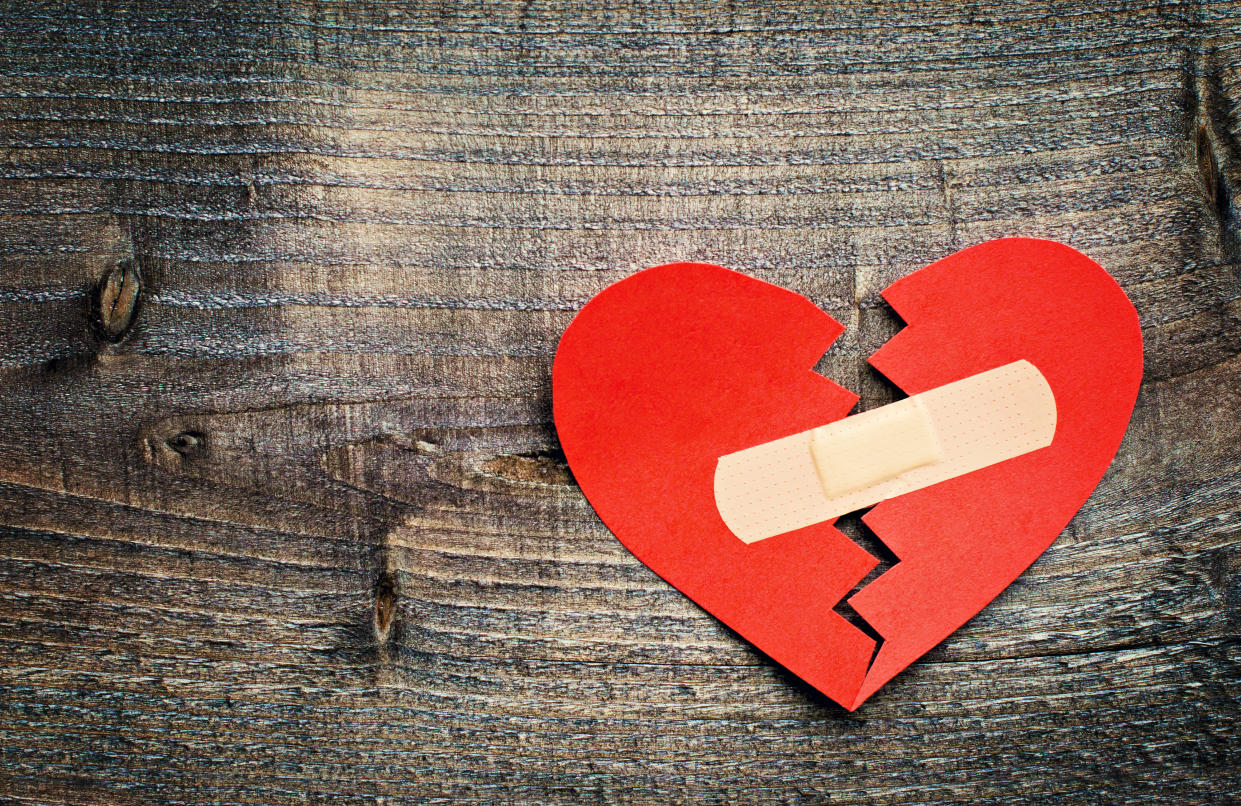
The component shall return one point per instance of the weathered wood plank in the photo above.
(303, 533)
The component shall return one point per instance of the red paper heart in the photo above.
(666, 371)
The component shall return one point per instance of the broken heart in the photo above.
(665, 372)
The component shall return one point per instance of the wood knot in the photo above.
(385, 605)
(535, 467)
(114, 304)
(1208, 167)
(188, 443)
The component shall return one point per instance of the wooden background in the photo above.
(283, 515)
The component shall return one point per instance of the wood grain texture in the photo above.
(282, 514)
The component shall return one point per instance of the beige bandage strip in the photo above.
(841, 467)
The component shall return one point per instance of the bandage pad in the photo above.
(821, 474)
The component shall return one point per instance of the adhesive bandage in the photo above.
(826, 472)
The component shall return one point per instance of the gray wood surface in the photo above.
(282, 516)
